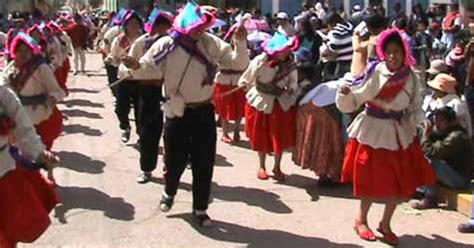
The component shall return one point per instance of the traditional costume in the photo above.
(26, 196)
(150, 97)
(383, 156)
(36, 86)
(319, 133)
(127, 92)
(270, 112)
(228, 100)
(65, 49)
(188, 69)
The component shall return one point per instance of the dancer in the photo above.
(127, 92)
(228, 99)
(34, 82)
(270, 114)
(186, 61)
(150, 95)
(383, 156)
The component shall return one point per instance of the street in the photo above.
(103, 206)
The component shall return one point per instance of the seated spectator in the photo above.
(449, 148)
(444, 94)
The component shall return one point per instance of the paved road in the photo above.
(102, 206)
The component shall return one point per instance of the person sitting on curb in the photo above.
(449, 148)
(444, 94)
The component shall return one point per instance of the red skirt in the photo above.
(229, 107)
(381, 173)
(50, 129)
(27, 198)
(273, 132)
(61, 75)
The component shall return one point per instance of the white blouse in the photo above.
(384, 133)
(26, 138)
(42, 81)
(260, 71)
(173, 68)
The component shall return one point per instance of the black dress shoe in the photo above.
(202, 219)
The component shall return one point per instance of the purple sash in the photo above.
(185, 42)
(23, 161)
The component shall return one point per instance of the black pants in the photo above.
(151, 126)
(192, 136)
(127, 94)
(342, 68)
(112, 76)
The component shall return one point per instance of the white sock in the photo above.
(165, 195)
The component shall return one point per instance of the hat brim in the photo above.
(432, 84)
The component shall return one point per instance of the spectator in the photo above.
(452, 23)
(422, 50)
(310, 41)
(418, 16)
(319, 8)
(398, 13)
(456, 63)
(444, 95)
(284, 25)
(438, 47)
(79, 36)
(340, 42)
(449, 148)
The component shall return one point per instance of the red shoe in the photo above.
(262, 175)
(367, 235)
(388, 237)
(279, 176)
(226, 139)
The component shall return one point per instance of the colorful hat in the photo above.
(37, 28)
(54, 27)
(118, 18)
(444, 83)
(154, 16)
(192, 17)
(26, 39)
(384, 37)
(281, 43)
(130, 14)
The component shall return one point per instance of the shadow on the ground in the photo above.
(314, 191)
(92, 199)
(268, 201)
(78, 128)
(80, 163)
(435, 241)
(243, 144)
(96, 75)
(221, 161)
(80, 113)
(79, 90)
(253, 238)
(82, 103)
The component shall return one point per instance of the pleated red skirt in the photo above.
(27, 198)
(229, 107)
(382, 173)
(61, 75)
(50, 129)
(271, 133)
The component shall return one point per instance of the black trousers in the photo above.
(127, 95)
(151, 126)
(112, 76)
(192, 136)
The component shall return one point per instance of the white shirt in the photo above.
(180, 65)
